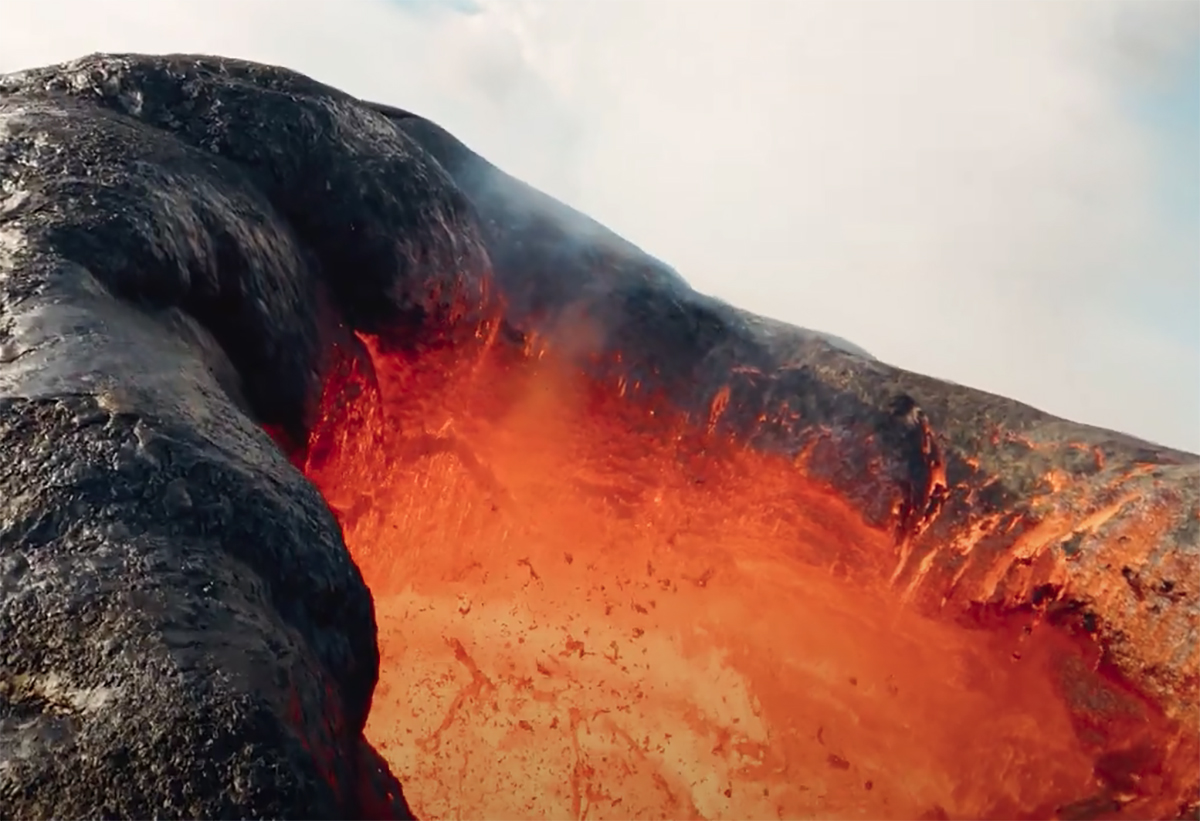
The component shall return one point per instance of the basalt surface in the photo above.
(248, 322)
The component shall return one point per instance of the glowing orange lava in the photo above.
(588, 609)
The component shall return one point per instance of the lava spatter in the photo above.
(591, 608)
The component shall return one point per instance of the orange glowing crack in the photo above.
(475, 690)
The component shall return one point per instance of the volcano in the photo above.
(343, 475)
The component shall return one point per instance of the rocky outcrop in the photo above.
(183, 243)
(182, 632)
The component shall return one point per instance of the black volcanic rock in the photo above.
(182, 242)
(182, 632)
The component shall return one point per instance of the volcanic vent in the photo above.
(622, 568)
(634, 553)
(593, 606)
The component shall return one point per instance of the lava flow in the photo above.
(589, 609)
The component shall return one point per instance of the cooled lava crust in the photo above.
(243, 313)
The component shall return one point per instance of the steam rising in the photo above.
(961, 189)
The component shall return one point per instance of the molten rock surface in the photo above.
(632, 552)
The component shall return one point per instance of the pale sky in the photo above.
(1003, 194)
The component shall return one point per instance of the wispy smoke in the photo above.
(964, 189)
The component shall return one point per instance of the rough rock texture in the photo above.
(182, 632)
(182, 241)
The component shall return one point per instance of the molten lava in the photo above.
(590, 608)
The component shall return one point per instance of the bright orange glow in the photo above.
(588, 609)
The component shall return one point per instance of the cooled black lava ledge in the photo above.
(182, 239)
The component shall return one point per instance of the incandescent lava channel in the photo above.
(590, 609)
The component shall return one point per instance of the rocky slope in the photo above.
(184, 240)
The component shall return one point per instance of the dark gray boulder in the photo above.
(184, 244)
(182, 632)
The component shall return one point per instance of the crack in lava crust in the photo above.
(590, 609)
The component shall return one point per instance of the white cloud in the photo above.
(958, 187)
